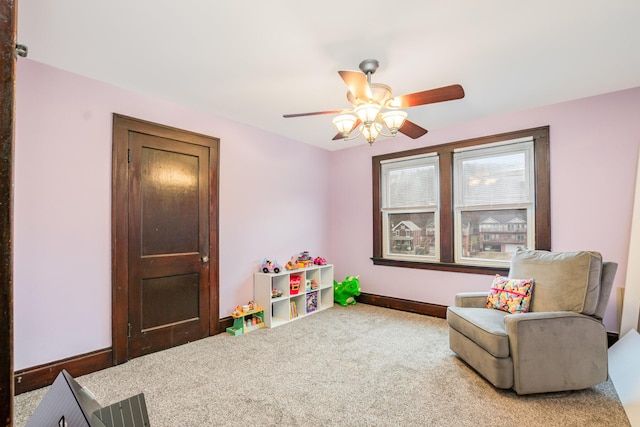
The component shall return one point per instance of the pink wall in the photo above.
(63, 197)
(594, 150)
(63, 194)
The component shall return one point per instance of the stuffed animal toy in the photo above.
(344, 293)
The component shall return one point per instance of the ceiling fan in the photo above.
(374, 108)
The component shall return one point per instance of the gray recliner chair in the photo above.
(559, 344)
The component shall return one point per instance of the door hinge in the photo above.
(129, 155)
(128, 330)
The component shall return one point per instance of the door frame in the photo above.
(8, 28)
(122, 125)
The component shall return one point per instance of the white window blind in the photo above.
(409, 205)
(410, 183)
(495, 176)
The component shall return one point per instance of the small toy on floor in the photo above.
(344, 293)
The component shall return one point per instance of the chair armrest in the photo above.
(539, 315)
(553, 351)
(471, 299)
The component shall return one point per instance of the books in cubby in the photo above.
(312, 301)
(293, 313)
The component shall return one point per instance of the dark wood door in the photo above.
(167, 199)
(168, 243)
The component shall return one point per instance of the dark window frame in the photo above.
(445, 155)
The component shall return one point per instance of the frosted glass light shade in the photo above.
(344, 123)
(394, 119)
(367, 113)
(371, 133)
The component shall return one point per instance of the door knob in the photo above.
(205, 259)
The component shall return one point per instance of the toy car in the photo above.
(320, 261)
(270, 266)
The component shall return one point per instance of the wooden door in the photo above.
(171, 269)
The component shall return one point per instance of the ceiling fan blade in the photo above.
(412, 130)
(357, 84)
(339, 135)
(431, 96)
(315, 113)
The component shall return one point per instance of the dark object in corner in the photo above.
(131, 412)
(68, 404)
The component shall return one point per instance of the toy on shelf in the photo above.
(344, 293)
(319, 261)
(311, 284)
(293, 264)
(242, 310)
(276, 293)
(299, 261)
(270, 266)
(304, 259)
(294, 284)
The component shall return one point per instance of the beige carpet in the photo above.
(347, 366)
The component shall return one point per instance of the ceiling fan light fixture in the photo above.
(376, 111)
(394, 103)
(370, 133)
(367, 113)
(394, 119)
(344, 123)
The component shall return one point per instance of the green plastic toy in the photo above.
(344, 293)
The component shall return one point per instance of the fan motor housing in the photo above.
(369, 66)
(381, 94)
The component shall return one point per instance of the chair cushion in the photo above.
(510, 295)
(565, 281)
(482, 326)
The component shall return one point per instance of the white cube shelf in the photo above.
(292, 306)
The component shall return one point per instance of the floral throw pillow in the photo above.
(510, 295)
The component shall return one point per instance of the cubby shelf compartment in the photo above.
(292, 306)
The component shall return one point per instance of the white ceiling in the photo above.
(254, 60)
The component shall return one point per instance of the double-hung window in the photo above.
(494, 201)
(410, 208)
(463, 206)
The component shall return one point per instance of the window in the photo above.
(410, 208)
(493, 191)
(463, 206)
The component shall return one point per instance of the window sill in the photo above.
(442, 266)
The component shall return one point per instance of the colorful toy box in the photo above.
(294, 284)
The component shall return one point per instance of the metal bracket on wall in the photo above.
(21, 50)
